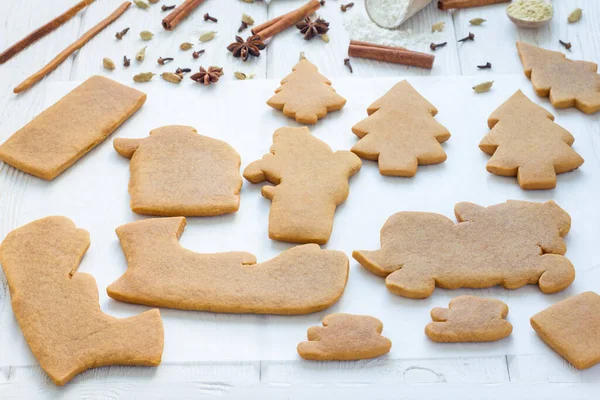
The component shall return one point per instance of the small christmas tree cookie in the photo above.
(401, 133)
(524, 142)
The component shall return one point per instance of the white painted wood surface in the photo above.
(517, 376)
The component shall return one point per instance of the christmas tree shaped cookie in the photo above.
(568, 83)
(401, 133)
(306, 95)
(526, 143)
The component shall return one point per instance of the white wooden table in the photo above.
(498, 377)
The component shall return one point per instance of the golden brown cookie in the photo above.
(175, 171)
(66, 131)
(161, 273)
(311, 182)
(345, 337)
(572, 328)
(524, 142)
(400, 132)
(306, 95)
(469, 319)
(57, 307)
(510, 244)
(568, 83)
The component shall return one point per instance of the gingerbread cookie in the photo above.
(175, 171)
(469, 319)
(161, 273)
(306, 95)
(568, 83)
(524, 142)
(572, 328)
(510, 244)
(400, 132)
(66, 131)
(57, 307)
(311, 182)
(345, 337)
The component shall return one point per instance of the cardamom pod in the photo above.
(186, 46)
(483, 87)
(477, 21)
(140, 55)
(438, 27)
(146, 35)
(575, 15)
(247, 19)
(248, 1)
(171, 77)
(141, 4)
(143, 77)
(153, 1)
(325, 37)
(250, 76)
(108, 63)
(239, 75)
(207, 36)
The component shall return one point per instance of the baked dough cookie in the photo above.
(572, 328)
(524, 142)
(345, 337)
(57, 307)
(469, 319)
(161, 273)
(568, 83)
(401, 133)
(175, 171)
(510, 244)
(311, 182)
(66, 131)
(306, 95)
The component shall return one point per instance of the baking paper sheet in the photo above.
(94, 194)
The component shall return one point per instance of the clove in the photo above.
(119, 35)
(487, 65)
(180, 72)
(207, 17)
(243, 26)
(565, 44)
(197, 54)
(322, 2)
(470, 37)
(344, 7)
(167, 8)
(434, 46)
(347, 64)
(162, 61)
(126, 61)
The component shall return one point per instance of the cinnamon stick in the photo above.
(396, 55)
(283, 22)
(448, 4)
(43, 31)
(180, 13)
(76, 45)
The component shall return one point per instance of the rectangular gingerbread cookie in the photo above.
(67, 130)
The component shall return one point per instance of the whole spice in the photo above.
(207, 36)
(438, 27)
(325, 38)
(146, 35)
(141, 4)
(171, 77)
(311, 28)
(140, 55)
(477, 21)
(396, 55)
(197, 54)
(207, 17)
(182, 71)
(207, 76)
(565, 44)
(483, 87)
(239, 75)
(186, 46)
(119, 35)
(247, 19)
(162, 61)
(434, 46)
(278, 24)
(322, 2)
(487, 65)
(153, 1)
(126, 61)
(180, 13)
(347, 64)
(244, 49)
(242, 27)
(470, 37)
(345, 7)
(575, 15)
(108, 63)
(167, 8)
(143, 77)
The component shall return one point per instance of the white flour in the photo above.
(387, 13)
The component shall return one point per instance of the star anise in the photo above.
(207, 76)
(311, 28)
(251, 46)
